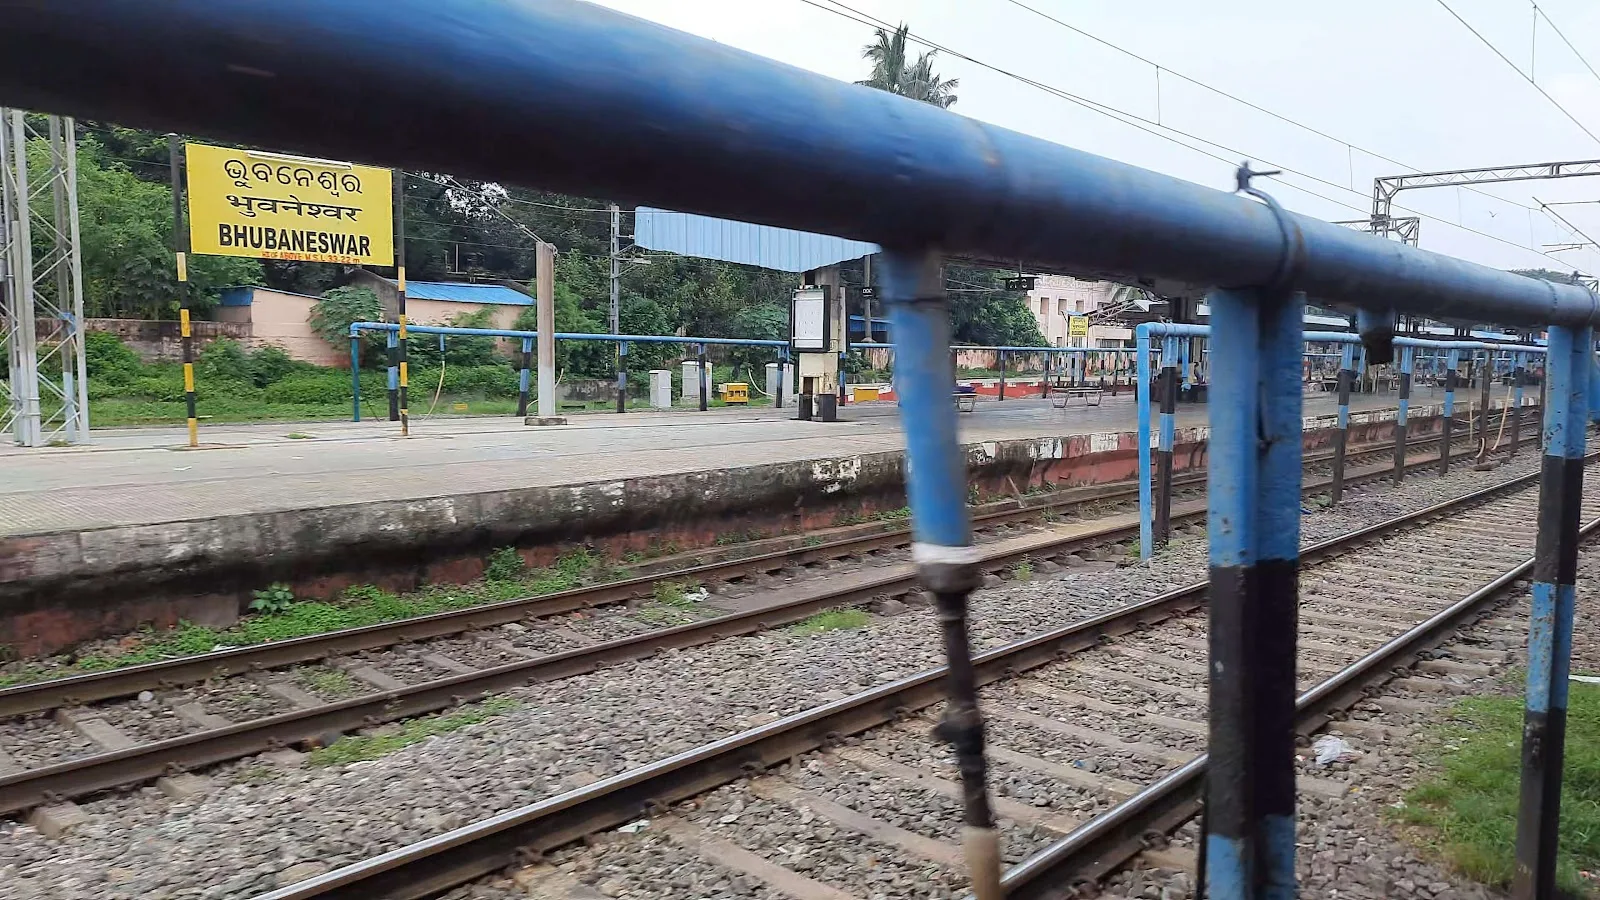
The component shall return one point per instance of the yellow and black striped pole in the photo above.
(180, 248)
(400, 292)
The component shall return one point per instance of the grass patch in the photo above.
(1469, 805)
(330, 683)
(831, 620)
(1022, 571)
(359, 606)
(675, 594)
(386, 740)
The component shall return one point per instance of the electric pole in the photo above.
(616, 270)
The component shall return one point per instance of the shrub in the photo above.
(319, 388)
(164, 386)
(223, 360)
(271, 364)
(505, 564)
(105, 356)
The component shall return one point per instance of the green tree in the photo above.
(982, 312)
(125, 227)
(893, 71)
(332, 316)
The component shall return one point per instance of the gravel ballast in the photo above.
(238, 840)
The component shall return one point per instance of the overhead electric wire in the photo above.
(1557, 29)
(1240, 100)
(1526, 77)
(1147, 125)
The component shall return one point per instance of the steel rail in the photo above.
(1106, 842)
(447, 860)
(104, 771)
(110, 684)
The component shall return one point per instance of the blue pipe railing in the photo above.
(527, 337)
(570, 97)
(1153, 488)
(639, 112)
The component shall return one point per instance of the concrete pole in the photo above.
(545, 298)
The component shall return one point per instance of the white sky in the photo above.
(1397, 77)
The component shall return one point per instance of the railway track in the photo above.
(1097, 736)
(262, 698)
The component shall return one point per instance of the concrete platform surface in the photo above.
(141, 476)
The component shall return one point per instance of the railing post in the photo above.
(1544, 729)
(523, 377)
(1341, 438)
(941, 532)
(1447, 423)
(1169, 408)
(622, 376)
(1400, 419)
(1141, 393)
(1253, 498)
(355, 378)
(1485, 398)
(705, 378)
(394, 376)
(1046, 389)
(1518, 374)
(777, 396)
(1002, 357)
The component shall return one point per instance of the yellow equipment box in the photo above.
(735, 392)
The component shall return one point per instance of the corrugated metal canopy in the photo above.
(783, 249)
(463, 292)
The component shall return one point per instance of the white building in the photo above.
(1054, 298)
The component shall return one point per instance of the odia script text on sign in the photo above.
(271, 206)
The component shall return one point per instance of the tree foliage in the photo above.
(125, 227)
(895, 72)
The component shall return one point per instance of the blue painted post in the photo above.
(1485, 401)
(1046, 389)
(1555, 566)
(1141, 391)
(355, 378)
(1183, 362)
(1254, 522)
(941, 532)
(622, 376)
(394, 377)
(523, 377)
(1405, 354)
(1169, 408)
(1342, 436)
(1361, 367)
(1447, 423)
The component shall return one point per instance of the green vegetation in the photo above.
(505, 564)
(1022, 570)
(831, 620)
(330, 683)
(359, 605)
(275, 599)
(386, 740)
(1467, 810)
(672, 593)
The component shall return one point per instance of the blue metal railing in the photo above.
(570, 97)
(391, 330)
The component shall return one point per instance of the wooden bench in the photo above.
(1065, 395)
(966, 402)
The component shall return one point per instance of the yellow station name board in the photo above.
(271, 206)
(1077, 326)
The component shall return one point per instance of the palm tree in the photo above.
(888, 55)
(917, 81)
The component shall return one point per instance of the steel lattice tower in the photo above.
(41, 281)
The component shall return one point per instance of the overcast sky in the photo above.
(1401, 78)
